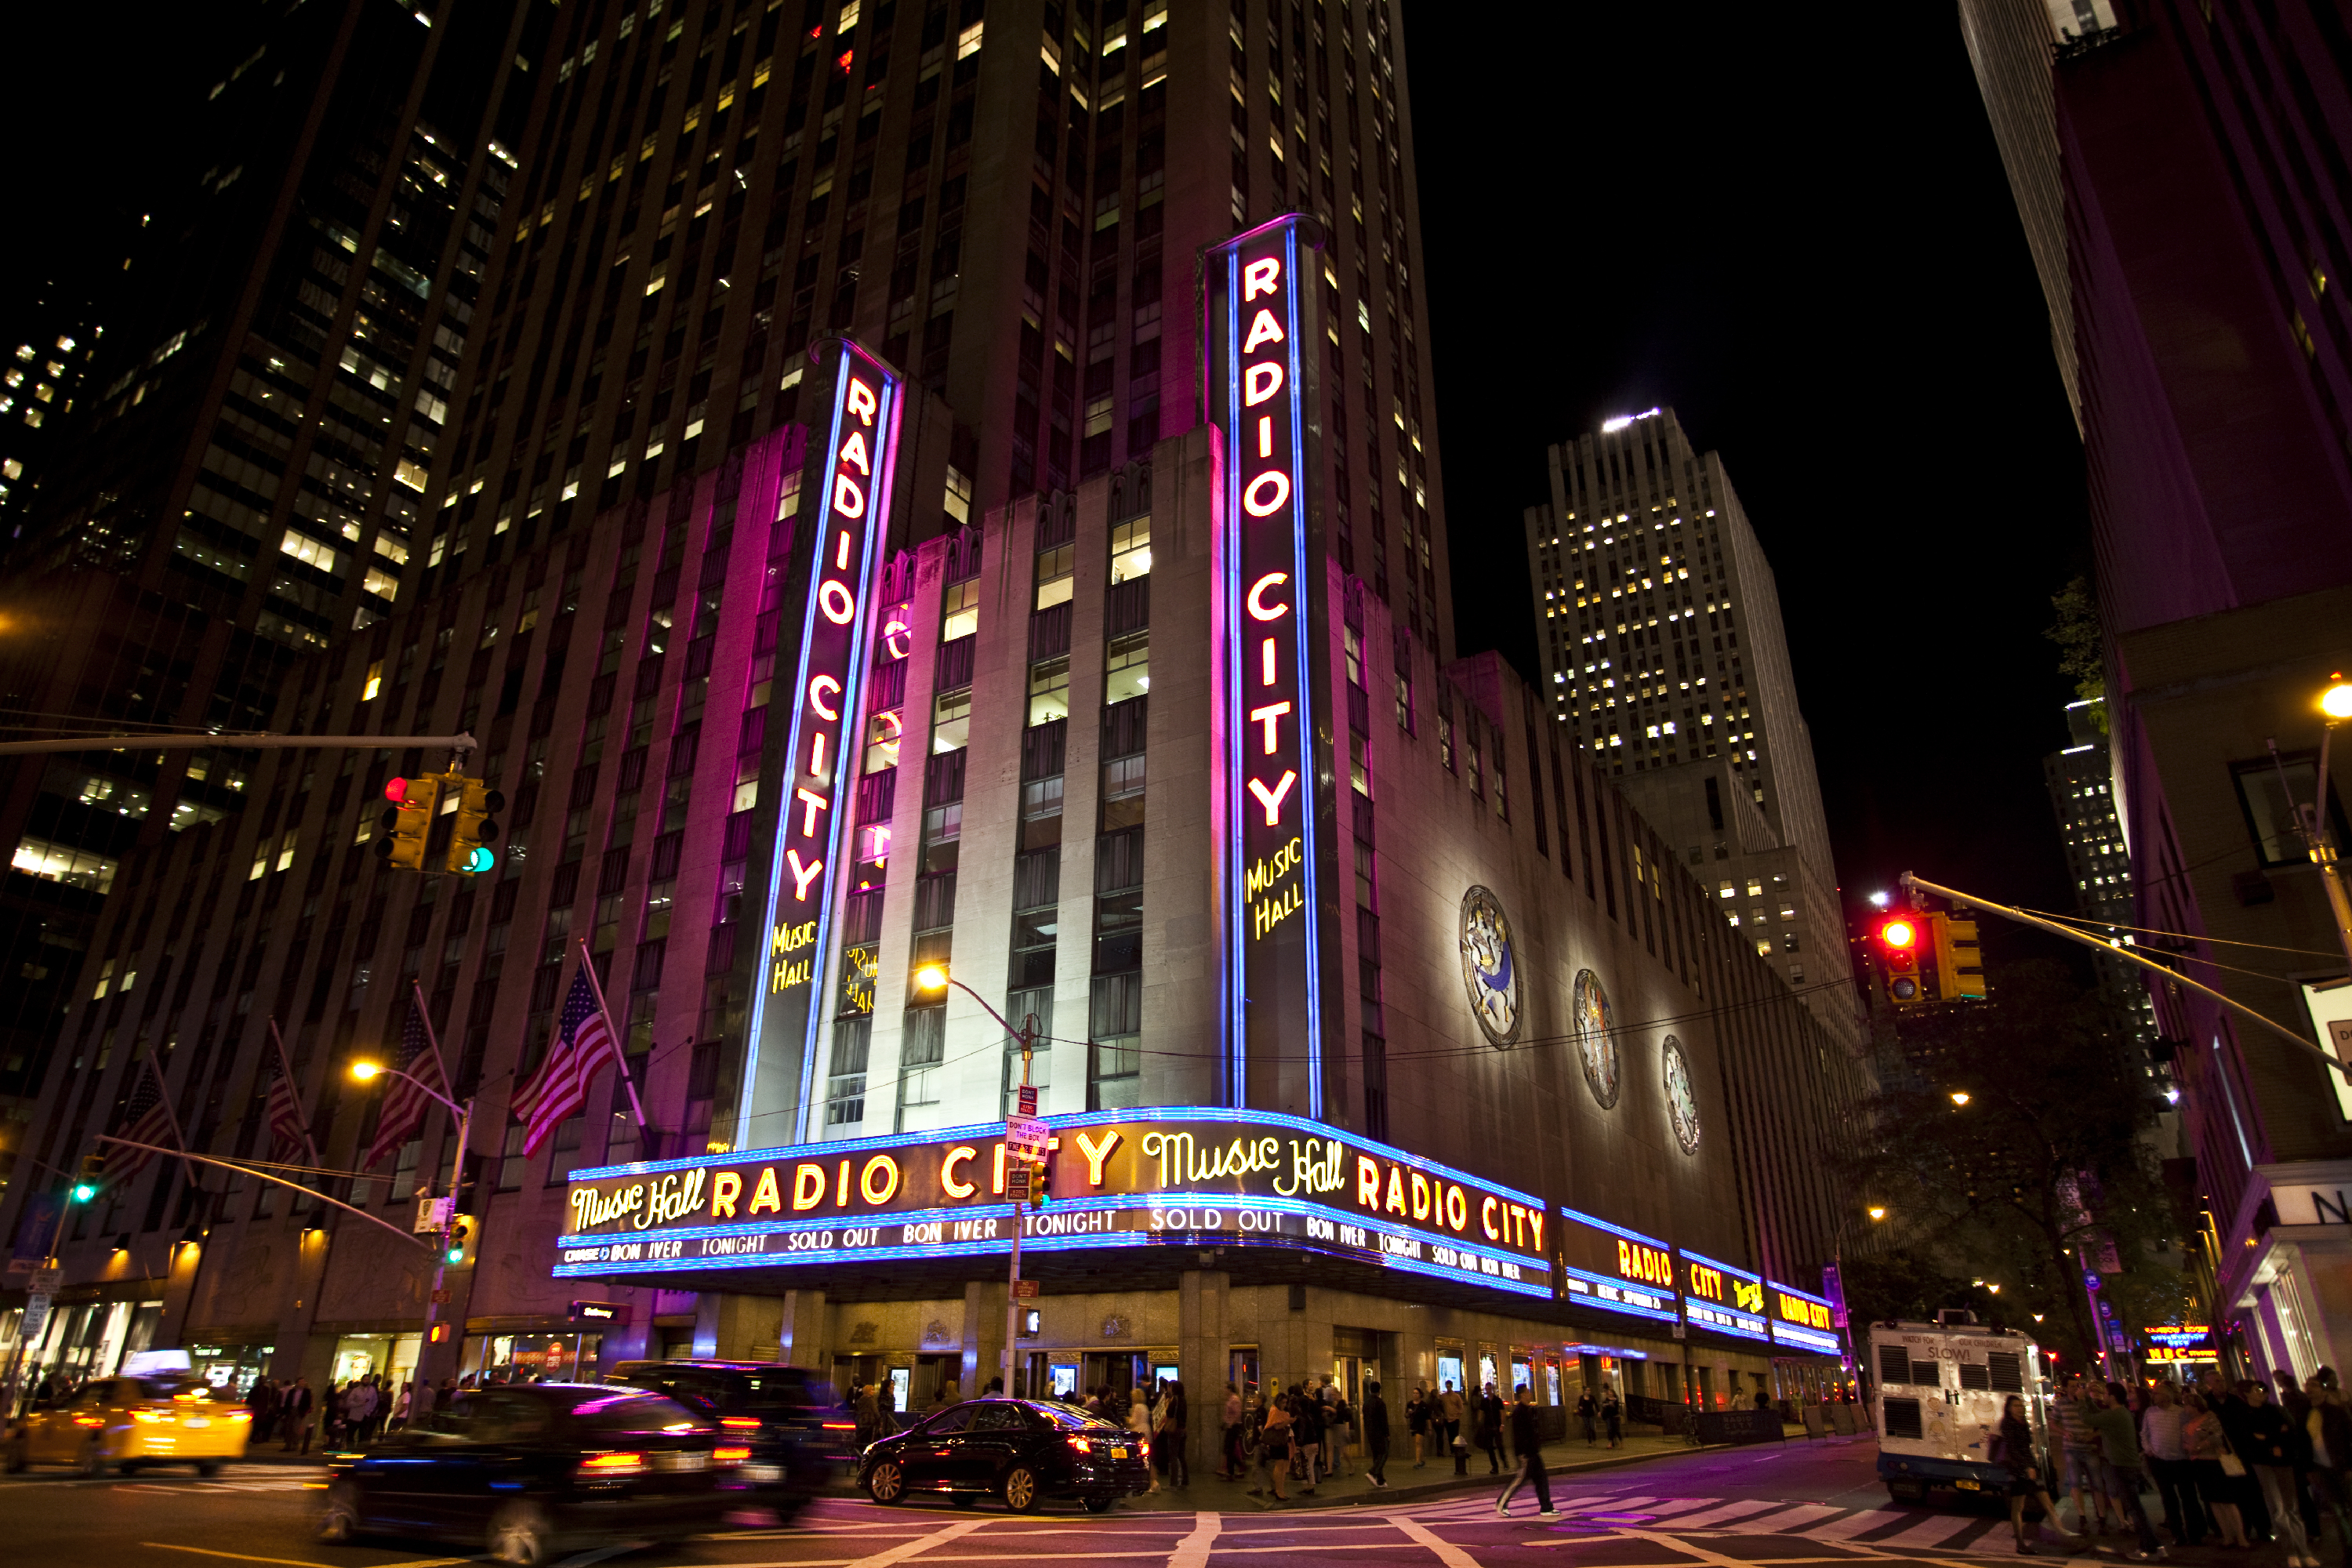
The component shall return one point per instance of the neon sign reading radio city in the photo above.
(852, 515)
(1272, 959)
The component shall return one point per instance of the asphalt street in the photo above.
(1805, 1504)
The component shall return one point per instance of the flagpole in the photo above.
(620, 1044)
(294, 1092)
(174, 1118)
(433, 1044)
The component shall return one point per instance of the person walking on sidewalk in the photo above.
(1376, 1437)
(1170, 1421)
(2079, 1463)
(1450, 1406)
(1416, 1420)
(2110, 1423)
(295, 1410)
(1612, 1416)
(1527, 1440)
(2270, 1457)
(2207, 1442)
(1230, 1461)
(1306, 1432)
(1587, 1410)
(1490, 1429)
(1274, 1450)
(2160, 1428)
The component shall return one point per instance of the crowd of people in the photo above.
(2238, 1464)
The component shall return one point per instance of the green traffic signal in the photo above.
(83, 1192)
(456, 1254)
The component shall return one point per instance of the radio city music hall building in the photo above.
(1375, 1033)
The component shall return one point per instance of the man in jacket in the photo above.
(295, 1410)
(1450, 1405)
(1490, 1429)
(2119, 1461)
(2160, 1428)
(1376, 1436)
(1527, 1441)
(1231, 1462)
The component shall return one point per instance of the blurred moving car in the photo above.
(1022, 1450)
(130, 1422)
(531, 1471)
(785, 1414)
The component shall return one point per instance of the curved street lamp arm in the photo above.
(249, 1170)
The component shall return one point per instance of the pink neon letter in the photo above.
(847, 499)
(1272, 799)
(1259, 277)
(1260, 382)
(811, 804)
(1266, 662)
(817, 702)
(854, 451)
(1265, 329)
(802, 875)
(1267, 716)
(834, 600)
(860, 400)
(1266, 612)
(1273, 479)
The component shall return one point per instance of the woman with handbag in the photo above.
(1275, 1448)
(2012, 1448)
(2219, 1472)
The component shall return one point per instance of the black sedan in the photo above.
(529, 1470)
(786, 1415)
(1022, 1450)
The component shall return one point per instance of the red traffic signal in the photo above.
(1901, 938)
(1900, 934)
(395, 791)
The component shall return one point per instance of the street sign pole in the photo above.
(1027, 1103)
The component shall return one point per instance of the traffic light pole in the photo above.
(464, 1115)
(2129, 956)
(57, 1235)
(259, 742)
(1020, 1218)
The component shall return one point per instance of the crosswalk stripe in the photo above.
(1933, 1531)
(1667, 1507)
(1719, 1515)
(1853, 1524)
(1790, 1518)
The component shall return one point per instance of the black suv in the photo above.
(1022, 1450)
(785, 1414)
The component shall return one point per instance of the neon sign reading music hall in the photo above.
(1273, 961)
(851, 518)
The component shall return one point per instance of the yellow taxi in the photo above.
(126, 1423)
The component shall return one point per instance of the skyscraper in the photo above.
(2098, 860)
(805, 673)
(1642, 537)
(243, 477)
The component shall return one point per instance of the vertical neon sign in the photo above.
(852, 515)
(1267, 595)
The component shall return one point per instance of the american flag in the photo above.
(584, 1044)
(146, 1119)
(406, 1100)
(288, 1126)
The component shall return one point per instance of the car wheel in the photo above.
(1020, 1488)
(208, 1467)
(886, 1482)
(1097, 1504)
(339, 1521)
(93, 1459)
(966, 1499)
(519, 1534)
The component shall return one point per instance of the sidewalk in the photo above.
(1434, 1479)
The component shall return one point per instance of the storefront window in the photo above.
(230, 1370)
(528, 1358)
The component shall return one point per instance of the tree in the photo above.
(2076, 634)
(2008, 1149)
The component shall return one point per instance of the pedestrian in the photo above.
(400, 1405)
(2080, 1449)
(2208, 1444)
(2110, 1424)
(1376, 1437)
(1527, 1441)
(1306, 1435)
(950, 1393)
(358, 1406)
(1229, 1450)
(1274, 1450)
(1450, 1408)
(1613, 1415)
(2228, 1402)
(295, 1407)
(2269, 1455)
(1490, 1429)
(262, 1400)
(2160, 1428)
(1416, 1420)
(869, 1413)
(1172, 1418)
(2012, 1448)
(1339, 1429)
(1588, 1414)
(421, 1407)
(2328, 1424)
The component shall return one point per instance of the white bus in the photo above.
(1941, 1389)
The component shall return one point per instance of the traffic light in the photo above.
(473, 832)
(1040, 1186)
(1959, 963)
(1900, 939)
(465, 1231)
(93, 1173)
(407, 821)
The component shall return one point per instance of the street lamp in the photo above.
(935, 978)
(1959, 1097)
(1877, 1211)
(2319, 842)
(364, 1070)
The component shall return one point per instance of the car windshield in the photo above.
(635, 1410)
(1072, 1420)
(772, 1391)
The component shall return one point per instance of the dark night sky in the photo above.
(1792, 228)
(1796, 231)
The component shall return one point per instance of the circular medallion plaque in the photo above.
(1682, 1097)
(1596, 1041)
(1489, 966)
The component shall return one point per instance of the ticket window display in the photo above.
(1241, 1370)
(390, 1358)
(1523, 1375)
(1551, 1380)
(1064, 1380)
(902, 1387)
(1487, 1369)
(1449, 1370)
(1163, 1373)
(230, 1371)
(528, 1358)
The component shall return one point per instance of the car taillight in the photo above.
(729, 1455)
(89, 1420)
(240, 1415)
(841, 1426)
(152, 1416)
(739, 1423)
(1144, 1447)
(1083, 1445)
(611, 1466)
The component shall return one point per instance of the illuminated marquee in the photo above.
(1268, 592)
(1801, 1320)
(1121, 1178)
(852, 516)
(1720, 1296)
(1616, 1269)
